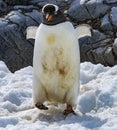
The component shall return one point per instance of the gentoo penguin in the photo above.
(56, 61)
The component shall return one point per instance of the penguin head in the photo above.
(52, 14)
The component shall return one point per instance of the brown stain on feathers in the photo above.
(56, 68)
(51, 39)
(62, 71)
(46, 93)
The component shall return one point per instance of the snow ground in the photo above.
(97, 102)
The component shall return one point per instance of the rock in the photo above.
(110, 1)
(97, 8)
(106, 24)
(84, 48)
(41, 4)
(98, 39)
(113, 16)
(93, 48)
(90, 9)
(16, 2)
(36, 17)
(17, 18)
(28, 8)
(3, 8)
(98, 54)
(109, 57)
(16, 51)
(115, 47)
(78, 12)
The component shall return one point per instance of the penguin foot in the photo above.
(41, 106)
(68, 110)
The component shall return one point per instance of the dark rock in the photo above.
(97, 36)
(98, 54)
(3, 8)
(16, 17)
(15, 50)
(36, 16)
(88, 10)
(28, 8)
(97, 8)
(106, 24)
(99, 39)
(109, 57)
(93, 48)
(84, 48)
(42, 3)
(78, 12)
(115, 47)
(110, 1)
(16, 2)
(113, 16)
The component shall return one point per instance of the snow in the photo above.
(96, 109)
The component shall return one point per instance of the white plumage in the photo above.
(56, 61)
(56, 64)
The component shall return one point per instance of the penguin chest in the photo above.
(51, 39)
(55, 55)
(58, 73)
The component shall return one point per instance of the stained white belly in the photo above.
(58, 72)
(57, 63)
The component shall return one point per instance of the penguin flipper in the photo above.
(31, 32)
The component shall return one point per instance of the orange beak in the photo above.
(49, 17)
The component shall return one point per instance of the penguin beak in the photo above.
(49, 17)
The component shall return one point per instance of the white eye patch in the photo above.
(55, 6)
